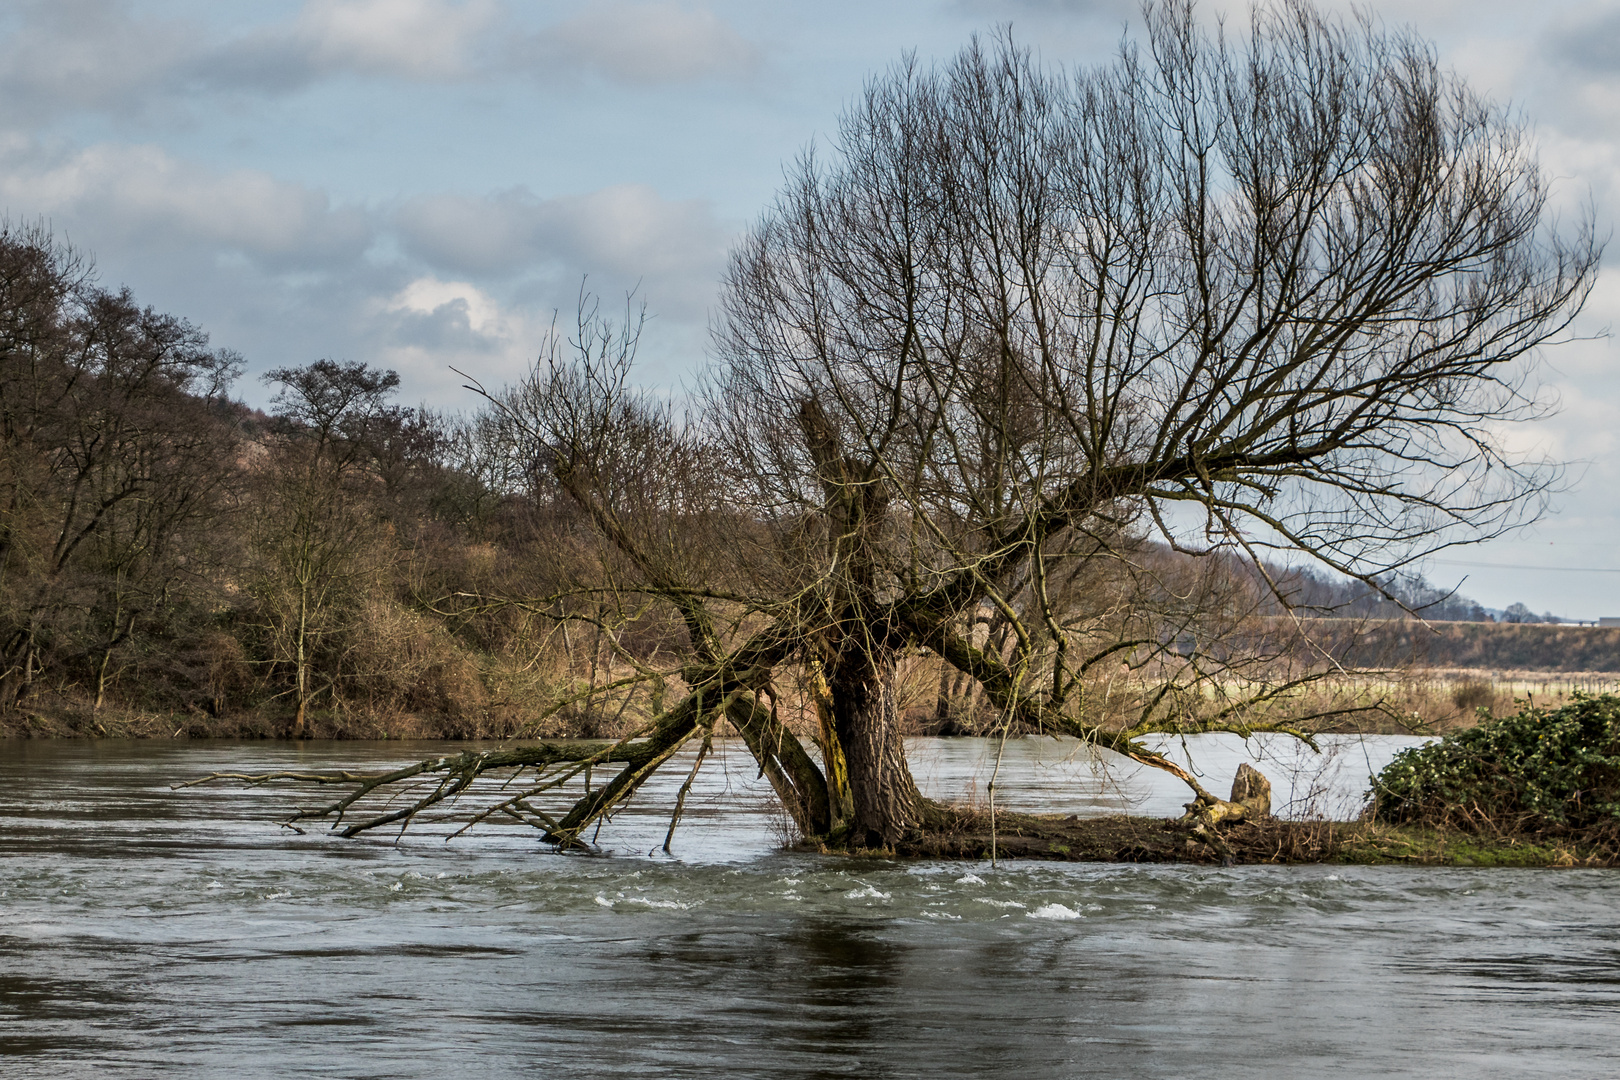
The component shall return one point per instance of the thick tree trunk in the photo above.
(887, 804)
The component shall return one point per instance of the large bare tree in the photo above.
(1018, 338)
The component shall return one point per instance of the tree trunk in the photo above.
(942, 703)
(802, 787)
(840, 805)
(101, 679)
(887, 804)
(301, 660)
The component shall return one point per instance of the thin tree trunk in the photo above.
(302, 661)
(942, 703)
(106, 658)
(101, 680)
(799, 784)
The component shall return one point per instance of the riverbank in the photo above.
(1130, 839)
(70, 719)
(1425, 701)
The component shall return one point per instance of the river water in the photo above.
(149, 932)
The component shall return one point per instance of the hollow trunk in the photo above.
(886, 802)
(840, 806)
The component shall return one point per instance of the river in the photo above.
(148, 932)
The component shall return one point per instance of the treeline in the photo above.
(166, 549)
(1312, 594)
(1500, 646)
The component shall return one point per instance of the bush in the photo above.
(1535, 769)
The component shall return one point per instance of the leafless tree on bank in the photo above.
(1021, 329)
(317, 537)
(112, 463)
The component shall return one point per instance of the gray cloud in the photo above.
(95, 54)
(1589, 43)
(284, 274)
(641, 43)
(1011, 9)
(412, 40)
(143, 195)
(59, 56)
(628, 231)
(445, 329)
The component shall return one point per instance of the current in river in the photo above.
(150, 932)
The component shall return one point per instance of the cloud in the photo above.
(416, 40)
(1574, 74)
(60, 55)
(1067, 8)
(1589, 41)
(280, 272)
(676, 248)
(453, 317)
(641, 43)
(142, 195)
(432, 325)
(63, 54)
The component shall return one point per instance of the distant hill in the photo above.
(1517, 646)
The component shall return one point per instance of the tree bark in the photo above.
(887, 804)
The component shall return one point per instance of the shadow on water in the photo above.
(832, 994)
(805, 1000)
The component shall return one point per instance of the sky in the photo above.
(422, 184)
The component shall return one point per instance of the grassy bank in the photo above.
(1163, 840)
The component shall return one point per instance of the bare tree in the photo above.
(110, 459)
(1021, 336)
(317, 534)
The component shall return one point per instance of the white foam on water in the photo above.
(970, 879)
(997, 903)
(1055, 911)
(868, 893)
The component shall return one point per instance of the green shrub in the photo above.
(1536, 768)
